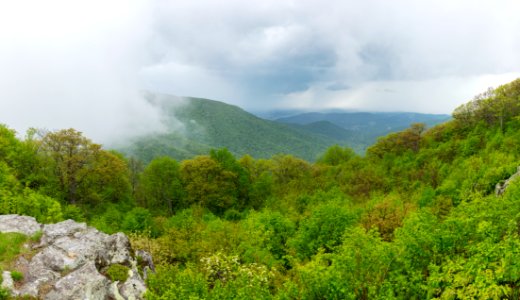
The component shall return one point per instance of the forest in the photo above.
(419, 216)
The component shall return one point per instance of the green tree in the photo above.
(208, 184)
(161, 185)
(242, 183)
(336, 155)
(80, 172)
(71, 156)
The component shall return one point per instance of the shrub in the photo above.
(17, 276)
(4, 294)
(117, 272)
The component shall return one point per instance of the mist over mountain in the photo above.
(193, 126)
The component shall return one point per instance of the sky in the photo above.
(84, 64)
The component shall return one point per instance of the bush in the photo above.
(4, 294)
(137, 220)
(17, 276)
(117, 272)
(73, 212)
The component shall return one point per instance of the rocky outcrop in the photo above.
(501, 187)
(70, 262)
(19, 224)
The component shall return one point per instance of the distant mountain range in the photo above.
(360, 129)
(194, 126)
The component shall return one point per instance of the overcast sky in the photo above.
(66, 63)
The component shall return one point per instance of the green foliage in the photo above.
(161, 186)
(137, 220)
(10, 247)
(4, 294)
(416, 218)
(323, 229)
(336, 155)
(211, 124)
(110, 220)
(117, 272)
(73, 212)
(17, 276)
(45, 209)
(209, 184)
(219, 277)
(80, 172)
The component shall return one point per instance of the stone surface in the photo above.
(83, 283)
(500, 188)
(7, 281)
(70, 260)
(20, 224)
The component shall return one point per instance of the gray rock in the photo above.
(83, 283)
(500, 188)
(7, 281)
(133, 286)
(119, 249)
(70, 261)
(146, 262)
(20, 224)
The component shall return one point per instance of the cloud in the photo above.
(426, 96)
(285, 48)
(82, 63)
(74, 64)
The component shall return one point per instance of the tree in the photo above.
(107, 179)
(80, 172)
(399, 142)
(136, 167)
(336, 155)
(161, 185)
(242, 182)
(72, 156)
(208, 184)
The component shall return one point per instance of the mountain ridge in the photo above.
(196, 125)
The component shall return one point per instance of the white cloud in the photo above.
(82, 63)
(74, 64)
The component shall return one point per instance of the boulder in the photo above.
(20, 224)
(70, 260)
(83, 283)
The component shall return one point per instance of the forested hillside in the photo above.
(194, 126)
(417, 217)
(360, 129)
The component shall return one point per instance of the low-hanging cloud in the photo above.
(82, 63)
(75, 64)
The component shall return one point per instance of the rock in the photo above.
(70, 260)
(132, 286)
(500, 188)
(119, 247)
(7, 281)
(145, 260)
(19, 224)
(83, 283)
(59, 230)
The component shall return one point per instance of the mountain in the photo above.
(196, 125)
(328, 129)
(361, 129)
